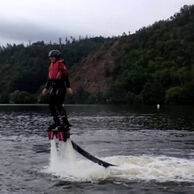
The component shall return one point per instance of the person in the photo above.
(58, 83)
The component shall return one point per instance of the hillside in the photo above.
(154, 65)
(92, 74)
(24, 68)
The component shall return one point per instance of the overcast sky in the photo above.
(22, 21)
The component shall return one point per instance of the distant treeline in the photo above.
(24, 69)
(154, 65)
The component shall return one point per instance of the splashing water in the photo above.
(67, 165)
(159, 168)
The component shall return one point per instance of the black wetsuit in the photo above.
(57, 82)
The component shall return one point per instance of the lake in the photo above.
(153, 150)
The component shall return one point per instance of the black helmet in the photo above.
(54, 53)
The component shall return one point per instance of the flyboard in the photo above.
(63, 136)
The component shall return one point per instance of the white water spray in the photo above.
(66, 164)
(158, 168)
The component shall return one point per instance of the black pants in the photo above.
(57, 96)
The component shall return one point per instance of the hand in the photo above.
(69, 91)
(44, 91)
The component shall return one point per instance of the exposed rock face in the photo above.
(92, 74)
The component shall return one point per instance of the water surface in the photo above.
(154, 150)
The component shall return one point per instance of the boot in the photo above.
(55, 124)
(65, 126)
(65, 123)
(63, 133)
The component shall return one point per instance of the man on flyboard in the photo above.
(58, 84)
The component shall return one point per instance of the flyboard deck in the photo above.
(89, 156)
(60, 136)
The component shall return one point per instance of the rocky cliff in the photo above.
(92, 74)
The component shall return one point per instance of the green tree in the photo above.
(173, 95)
(153, 93)
(22, 97)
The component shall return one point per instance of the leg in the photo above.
(63, 115)
(52, 107)
(60, 98)
(64, 128)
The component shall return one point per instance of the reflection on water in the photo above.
(149, 145)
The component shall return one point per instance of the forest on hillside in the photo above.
(156, 64)
(153, 65)
(24, 69)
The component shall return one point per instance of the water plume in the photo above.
(68, 165)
